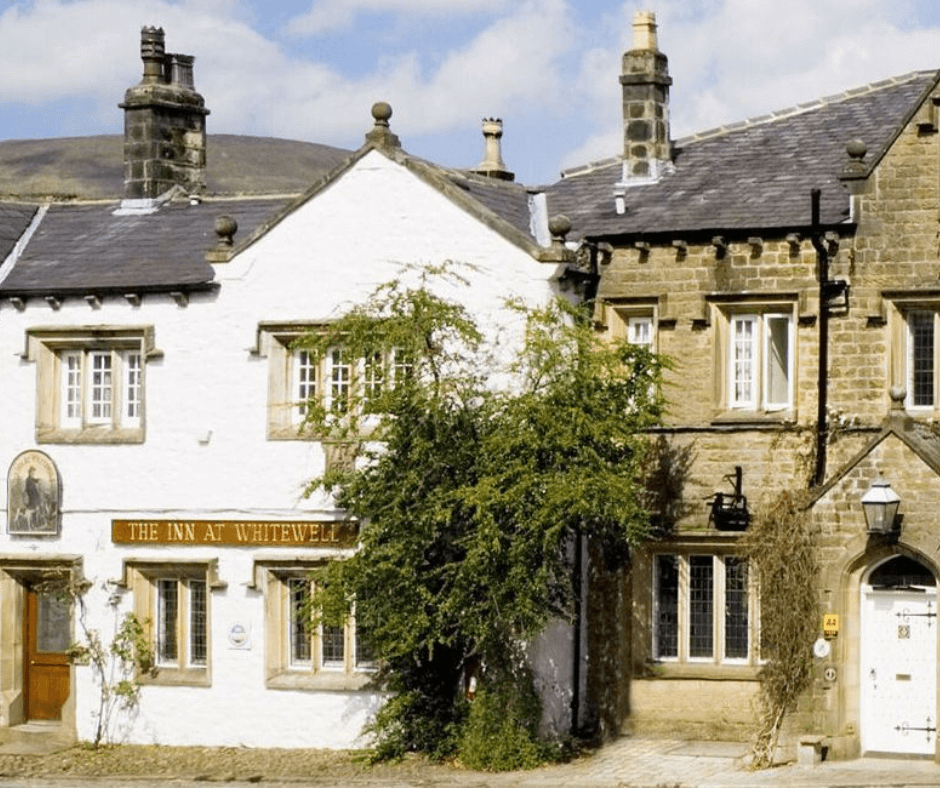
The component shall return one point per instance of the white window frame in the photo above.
(181, 637)
(100, 388)
(753, 355)
(305, 663)
(640, 331)
(638, 324)
(90, 382)
(316, 647)
(294, 378)
(306, 382)
(719, 600)
(185, 627)
(933, 316)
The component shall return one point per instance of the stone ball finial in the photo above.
(898, 394)
(856, 149)
(225, 228)
(559, 225)
(381, 112)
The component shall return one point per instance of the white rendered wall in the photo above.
(206, 454)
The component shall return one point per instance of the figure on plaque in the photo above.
(35, 506)
(33, 495)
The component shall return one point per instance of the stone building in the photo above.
(153, 399)
(713, 250)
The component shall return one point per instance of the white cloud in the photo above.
(326, 16)
(734, 59)
(90, 49)
(549, 67)
(57, 49)
(510, 65)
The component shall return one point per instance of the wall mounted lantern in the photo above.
(880, 504)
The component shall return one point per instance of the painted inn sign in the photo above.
(236, 533)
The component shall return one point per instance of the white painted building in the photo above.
(150, 420)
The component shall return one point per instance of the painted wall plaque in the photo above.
(33, 495)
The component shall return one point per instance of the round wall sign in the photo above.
(238, 636)
(821, 648)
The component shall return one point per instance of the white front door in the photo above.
(899, 670)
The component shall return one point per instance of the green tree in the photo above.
(474, 478)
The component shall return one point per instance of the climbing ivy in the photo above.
(116, 667)
(780, 544)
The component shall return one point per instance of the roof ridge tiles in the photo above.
(597, 164)
(765, 118)
(799, 109)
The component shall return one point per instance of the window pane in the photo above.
(701, 606)
(373, 377)
(778, 360)
(72, 385)
(333, 647)
(53, 622)
(100, 386)
(666, 622)
(340, 377)
(197, 622)
(298, 632)
(132, 383)
(743, 361)
(403, 364)
(736, 608)
(921, 357)
(167, 609)
(640, 331)
(305, 379)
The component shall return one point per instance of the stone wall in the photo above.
(891, 263)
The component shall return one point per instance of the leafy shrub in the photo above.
(502, 729)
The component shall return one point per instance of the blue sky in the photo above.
(311, 69)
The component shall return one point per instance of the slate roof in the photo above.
(14, 220)
(87, 249)
(506, 199)
(92, 249)
(750, 176)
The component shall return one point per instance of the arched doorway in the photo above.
(899, 658)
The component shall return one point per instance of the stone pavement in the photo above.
(659, 763)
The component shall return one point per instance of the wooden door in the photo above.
(46, 669)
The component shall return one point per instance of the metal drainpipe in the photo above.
(822, 430)
(576, 624)
(590, 293)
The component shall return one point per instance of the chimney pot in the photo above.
(181, 71)
(153, 53)
(493, 165)
(164, 124)
(644, 31)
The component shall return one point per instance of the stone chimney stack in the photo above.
(493, 165)
(164, 124)
(645, 80)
